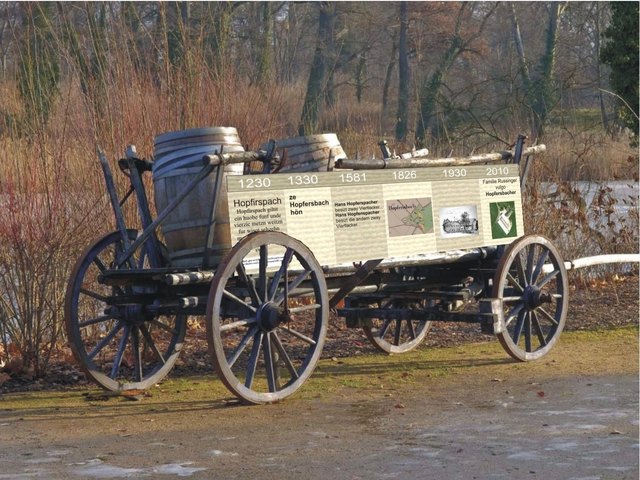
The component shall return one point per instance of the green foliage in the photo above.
(39, 70)
(620, 52)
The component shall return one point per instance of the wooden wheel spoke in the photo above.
(275, 281)
(385, 327)
(397, 332)
(137, 354)
(164, 326)
(269, 363)
(522, 277)
(513, 313)
(517, 332)
(511, 299)
(547, 278)
(538, 329)
(547, 315)
(527, 331)
(531, 255)
(291, 286)
(231, 360)
(514, 283)
(262, 272)
(304, 308)
(412, 330)
(238, 324)
(152, 344)
(117, 361)
(105, 340)
(239, 301)
(249, 282)
(284, 356)
(541, 261)
(253, 359)
(98, 263)
(93, 321)
(298, 335)
(93, 294)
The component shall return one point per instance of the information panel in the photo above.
(348, 216)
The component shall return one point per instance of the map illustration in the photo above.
(413, 216)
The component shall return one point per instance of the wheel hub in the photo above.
(534, 297)
(269, 317)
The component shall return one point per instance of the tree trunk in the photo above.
(597, 33)
(390, 67)
(403, 75)
(545, 95)
(218, 36)
(316, 86)
(361, 73)
(38, 70)
(539, 92)
(263, 60)
(289, 68)
(429, 93)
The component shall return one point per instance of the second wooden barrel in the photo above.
(177, 159)
(312, 153)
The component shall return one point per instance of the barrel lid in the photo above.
(194, 132)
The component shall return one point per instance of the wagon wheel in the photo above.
(266, 329)
(119, 347)
(396, 335)
(531, 280)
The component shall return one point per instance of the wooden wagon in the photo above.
(390, 245)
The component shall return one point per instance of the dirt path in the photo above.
(464, 412)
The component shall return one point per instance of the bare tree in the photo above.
(404, 75)
(319, 74)
(539, 89)
(458, 44)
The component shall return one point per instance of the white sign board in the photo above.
(349, 216)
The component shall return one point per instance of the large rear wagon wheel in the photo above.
(118, 346)
(531, 280)
(267, 317)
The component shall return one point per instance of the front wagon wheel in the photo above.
(531, 280)
(267, 317)
(117, 344)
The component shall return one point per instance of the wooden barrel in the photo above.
(177, 159)
(313, 153)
